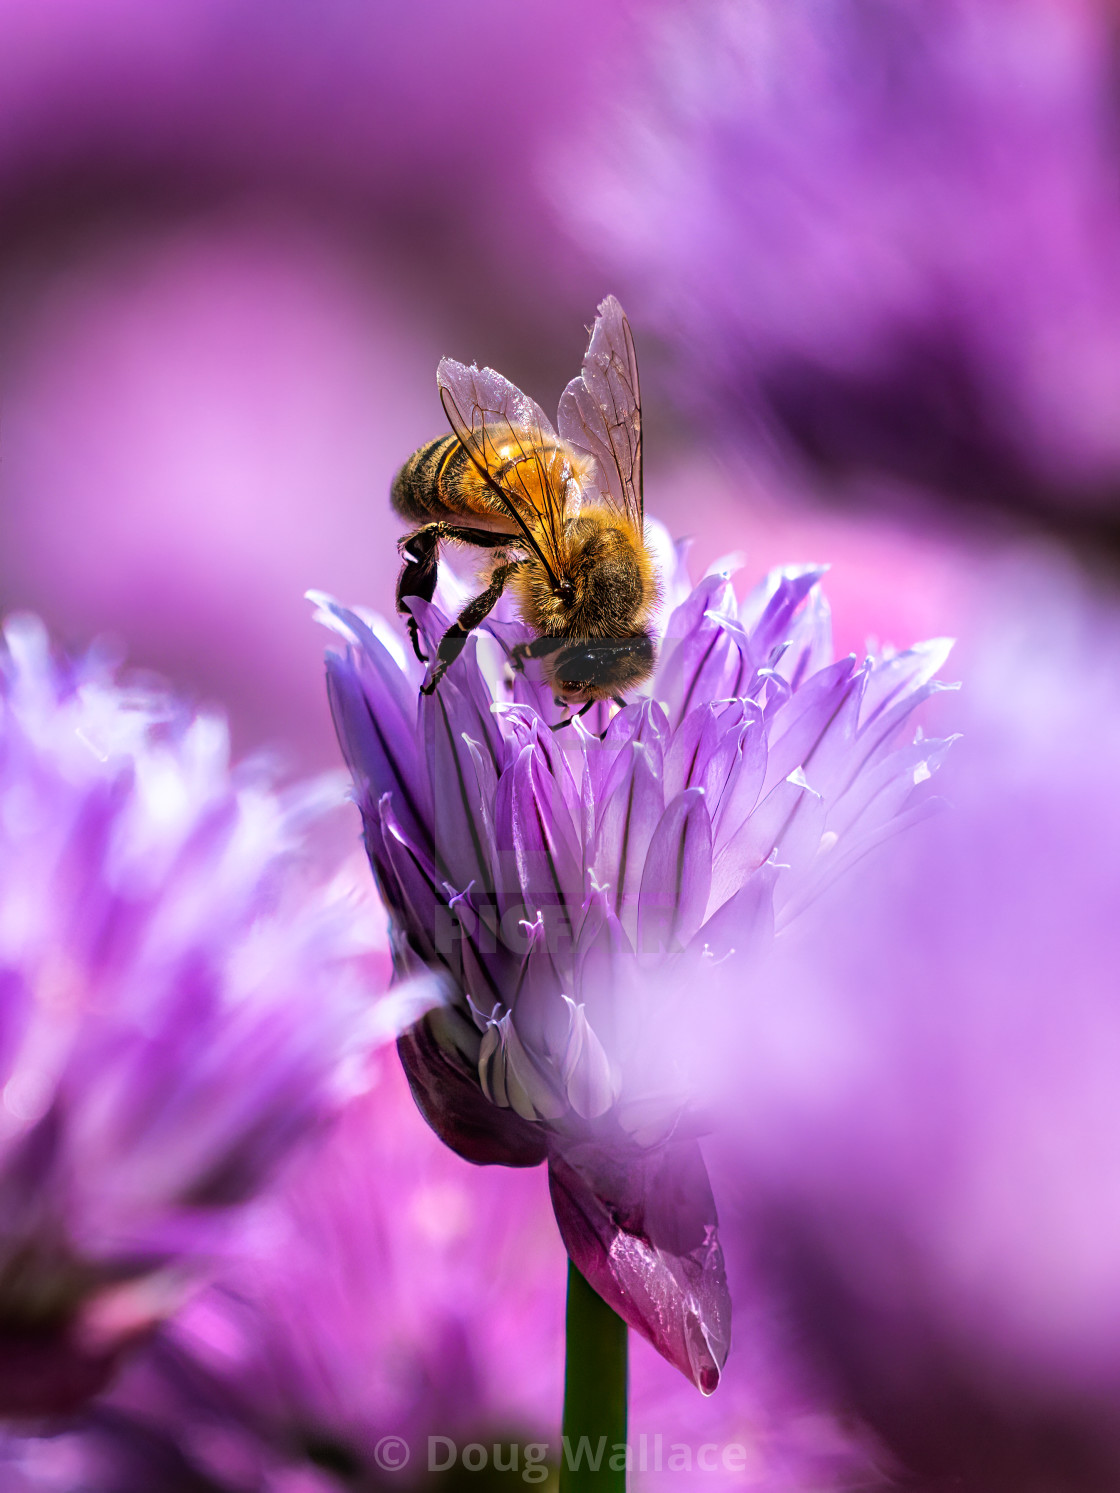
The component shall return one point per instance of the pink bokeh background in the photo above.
(237, 238)
(236, 245)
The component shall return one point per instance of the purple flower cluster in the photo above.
(587, 894)
(378, 1297)
(387, 1295)
(183, 997)
(383, 1295)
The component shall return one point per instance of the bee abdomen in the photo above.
(426, 486)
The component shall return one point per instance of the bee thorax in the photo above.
(605, 589)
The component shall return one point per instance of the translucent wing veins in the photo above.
(514, 446)
(601, 411)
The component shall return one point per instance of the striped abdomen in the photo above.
(430, 484)
(441, 479)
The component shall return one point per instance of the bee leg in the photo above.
(476, 611)
(414, 635)
(619, 701)
(421, 568)
(538, 648)
(559, 726)
(418, 578)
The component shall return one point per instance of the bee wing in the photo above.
(493, 418)
(601, 411)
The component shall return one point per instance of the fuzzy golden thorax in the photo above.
(608, 586)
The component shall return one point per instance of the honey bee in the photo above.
(563, 514)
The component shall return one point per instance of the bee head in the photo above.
(599, 668)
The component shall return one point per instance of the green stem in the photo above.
(594, 1393)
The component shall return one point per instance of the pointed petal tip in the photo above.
(727, 565)
(812, 570)
(663, 1271)
(330, 612)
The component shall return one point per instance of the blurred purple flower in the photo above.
(926, 1113)
(379, 1294)
(884, 229)
(581, 892)
(182, 998)
(384, 1293)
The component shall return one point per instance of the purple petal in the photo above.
(421, 895)
(537, 998)
(678, 875)
(878, 735)
(431, 621)
(442, 1073)
(901, 675)
(477, 951)
(604, 965)
(689, 749)
(810, 639)
(590, 1081)
(702, 751)
(486, 784)
(739, 797)
(391, 681)
(883, 789)
(770, 610)
(565, 772)
(756, 841)
(537, 851)
(641, 1229)
(833, 865)
(719, 747)
(826, 702)
(710, 661)
(744, 925)
(631, 811)
(377, 733)
(801, 836)
(644, 722)
(449, 717)
(713, 594)
(513, 1078)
